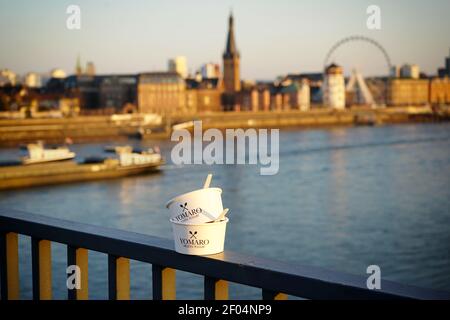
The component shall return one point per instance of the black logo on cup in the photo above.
(186, 213)
(193, 242)
(193, 235)
(184, 206)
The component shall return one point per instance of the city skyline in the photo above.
(120, 38)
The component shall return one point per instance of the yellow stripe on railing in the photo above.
(272, 295)
(82, 263)
(164, 283)
(168, 284)
(45, 270)
(222, 290)
(123, 278)
(215, 289)
(280, 296)
(12, 265)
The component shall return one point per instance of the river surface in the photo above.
(343, 199)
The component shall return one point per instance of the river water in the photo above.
(344, 199)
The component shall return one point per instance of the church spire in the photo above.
(230, 49)
(231, 70)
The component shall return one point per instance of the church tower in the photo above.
(231, 70)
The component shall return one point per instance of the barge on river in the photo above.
(55, 172)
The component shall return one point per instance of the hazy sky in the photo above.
(274, 37)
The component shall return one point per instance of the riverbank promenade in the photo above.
(102, 128)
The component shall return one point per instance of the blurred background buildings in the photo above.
(213, 88)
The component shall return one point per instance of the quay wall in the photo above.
(102, 128)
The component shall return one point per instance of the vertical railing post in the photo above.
(272, 295)
(79, 258)
(215, 289)
(41, 268)
(118, 278)
(164, 283)
(9, 259)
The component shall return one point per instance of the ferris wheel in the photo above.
(358, 38)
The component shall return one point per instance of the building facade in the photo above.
(440, 91)
(263, 96)
(85, 88)
(209, 95)
(294, 94)
(447, 65)
(7, 77)
(303, 96)
(90, 69)
(161, 93)
(315, 82)
(178, 65)
(117, 92)
(203, 95)
(410, 71)
(210, 70)
(445, 71)
(57, 74)
(408, 92)
(249, 98)
(33, 80)
(334, 87)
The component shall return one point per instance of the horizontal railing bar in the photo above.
(302, 281)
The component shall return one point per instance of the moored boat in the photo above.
(54, 172)
(38, 154)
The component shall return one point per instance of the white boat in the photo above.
(129, 158)
(38, 154)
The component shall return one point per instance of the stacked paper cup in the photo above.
(198, 221)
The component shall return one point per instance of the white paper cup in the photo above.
(199, 239)
(199, 206)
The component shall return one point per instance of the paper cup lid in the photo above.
(189, 193)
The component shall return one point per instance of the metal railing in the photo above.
(276, 280)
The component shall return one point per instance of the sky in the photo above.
(274, 37)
